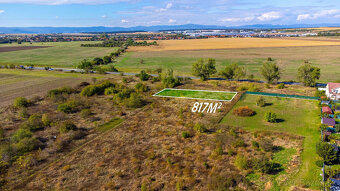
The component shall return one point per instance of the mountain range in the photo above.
(98, 29)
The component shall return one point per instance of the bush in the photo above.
(23, 113)
(260, 101)
(281, 86)
(135, 101)
(263, 164)
(67, 126)
(231, 152)
(241, 162)
(140, 87)
(266, 145)
(200, 128)
(20, 102)
(319, 163)
(2, 133)
(185, 134)
(110, 91)
(244, 111)
(45, 119)
(63, 90)
(20, 134)
(270, 117)
(33, 123)
(97, 89)
(319, 93)
(169, 81)
(239, 143)
(143, 76)
(26, 144)
(70, 106)
(85, 113)
(255, 144)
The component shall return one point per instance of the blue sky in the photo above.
(127, 13)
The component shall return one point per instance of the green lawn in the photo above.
(300, 117)
(61, 54)
(197, 94)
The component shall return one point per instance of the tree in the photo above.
(270, 117)
(234, 71)
(260, 101)
(85, 65)
(327, 152)
(169, 81)
(106, 59)
(204, 70)
(97, 61)
(271, 72)
(143, 75)
(308, 74)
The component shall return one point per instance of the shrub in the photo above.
(266, 145)
(20, 102)
(135, 101)
(319, 163)
(63, 90)
(67, 126)
(97, 89)
(255, 144)
(185, 134)
(140, 87)
(327, 152)
(281, 86)
(319, 93)
(33, 123)
(244, 111)
(143, 76)
(20, 134)
(85, 113)
(2, 133)
(45, 119)
(169, 81)
(26, 144)
(242, 88)
(231, 152)
(70, 106)
(260, 101)
(199, 128)
(23, 113)
(270, 117)
(110, 91)
(253, 88)
(241, 162)
(263, 164)
(239, 143)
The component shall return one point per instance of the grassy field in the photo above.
(16, 83)
(60, 54)
(298, 117)
(288, 58)
(197, 94)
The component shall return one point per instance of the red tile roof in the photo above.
(326, 109)
(332, 86)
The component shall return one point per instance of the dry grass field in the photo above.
(226, 43)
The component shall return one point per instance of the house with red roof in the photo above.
(327, 109)
(333, 91)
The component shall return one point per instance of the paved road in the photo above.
(155, 75)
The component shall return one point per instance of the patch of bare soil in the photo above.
(17, 48)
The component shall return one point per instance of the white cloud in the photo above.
(2, 11)
(57, 17)
(168, 6)
(319, 14)
(104, 16)
(172, 21)
(244, 19)
(124, 21)
(269, 16)
(61, 2)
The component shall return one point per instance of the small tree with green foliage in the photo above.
(308, 75)
(204, 70)
(270, 117)
(85, 65)
(143, 76)
(260, 101)
(20, 102)
(271, 72)
(327, 152)
(169, 81)
(234, 71)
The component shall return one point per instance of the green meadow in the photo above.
(299, 117)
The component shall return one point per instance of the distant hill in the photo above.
(46, 30)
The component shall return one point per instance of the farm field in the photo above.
(18, 83)
(57, 54)
(288, 59)
(197, 94)
(299, 117)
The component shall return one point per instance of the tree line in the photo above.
(118, 43)
(307, 74)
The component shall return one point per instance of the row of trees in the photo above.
(203, 69)
(118, 43)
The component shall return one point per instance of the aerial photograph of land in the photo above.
(170, 95)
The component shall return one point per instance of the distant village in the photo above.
(162, 35)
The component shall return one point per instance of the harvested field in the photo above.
(17, 48)
(233, 43)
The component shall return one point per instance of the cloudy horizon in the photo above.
(129, 13)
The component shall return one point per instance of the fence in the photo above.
(283, 95)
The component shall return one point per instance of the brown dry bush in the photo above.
(243, 111)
